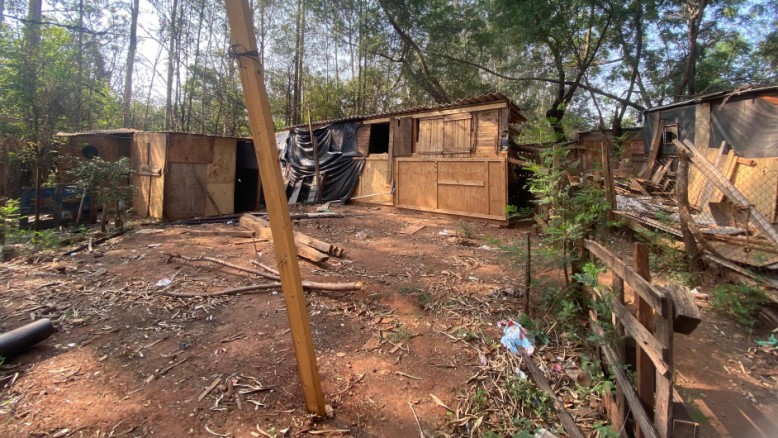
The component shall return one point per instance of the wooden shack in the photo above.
(625, 149)
(182, 176)
(176, 175)
(451, 158)
(736, 130)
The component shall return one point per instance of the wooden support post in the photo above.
(663, 404)
(621, 353)
(646, 372)
(610, 194)
(244, 44)
(317, 172)
(682, 199)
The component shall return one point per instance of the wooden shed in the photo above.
(587, 148)
(181, 175)
(176, 175)
(736, 130)
(451, 158)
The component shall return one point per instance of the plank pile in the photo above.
(308, 247)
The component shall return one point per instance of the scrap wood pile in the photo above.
(309, 248)
(731, 202)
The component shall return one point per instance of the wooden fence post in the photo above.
(663, 406)
(646, 372)
(244, 43)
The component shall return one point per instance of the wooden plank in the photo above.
(728, 189)
(610, 194)
(728, 169)
(185, 194)
(653, 296)
(702, 124)
(402, 137)
(261, 123)
(646, 370)
(412, 229)
(300, 238)
(644, 339)
(620, 416)
(656, 145)
(190, 148)
(222, 169)
(686, 314)
(663, 404)
(564, 417)
(707, 189)
(624, 382)
(661, 172)
(461, 182)
(224, 196)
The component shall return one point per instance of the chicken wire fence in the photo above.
(730, 229)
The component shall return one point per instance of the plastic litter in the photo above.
(514, 336)
(164, 282)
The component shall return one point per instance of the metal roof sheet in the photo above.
(737, 92)
(115, 131)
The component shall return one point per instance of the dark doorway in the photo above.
(246, 178)
(519, 194)
(379, 138)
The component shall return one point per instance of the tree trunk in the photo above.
(693, 23)
(682, 198)
(77, 118)
(171, 66)
(130, 63)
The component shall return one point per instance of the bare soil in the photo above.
(129, 361)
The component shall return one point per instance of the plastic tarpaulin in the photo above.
(337, 147)
(749, 126)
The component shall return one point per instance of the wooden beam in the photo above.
(244, 44)
(640, 285)
(564, 417)
(624, 382)
(654, 349)
(646, 378)
(610, 194)
(656, 145)
(317, 172)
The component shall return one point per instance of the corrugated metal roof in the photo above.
(115, 131)
(737, 92)
(464, 102)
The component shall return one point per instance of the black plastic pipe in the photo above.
(19, 340)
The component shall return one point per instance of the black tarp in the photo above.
(749, 126)
(682, 116)
(337, 147)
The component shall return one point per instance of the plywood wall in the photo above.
(185, 195)
(148, 153)
(467, 187)
(372, 181)
(221, 178)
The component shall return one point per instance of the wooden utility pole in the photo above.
(244, 44)
(315, 156)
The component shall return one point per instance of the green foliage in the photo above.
(741, 301)
(604, 430)
(107, 182)
(466, 229)
(401, 334)
(576, 211)
(514, 211)
(530, 396)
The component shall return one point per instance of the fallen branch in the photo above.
(96, 242)
(271, 275)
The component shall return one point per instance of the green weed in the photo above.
(741, 301)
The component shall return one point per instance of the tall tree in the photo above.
(133, 45)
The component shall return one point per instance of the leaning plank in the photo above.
(567, 420)
(647, 342)
(655, 297)
(656, 145)
(726, 187)
(617, 367)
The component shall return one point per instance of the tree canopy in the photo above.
(74, 65)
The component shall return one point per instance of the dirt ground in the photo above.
(129, 361)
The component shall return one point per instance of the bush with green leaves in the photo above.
(107, 182)
(741, 301)
(575, 210)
